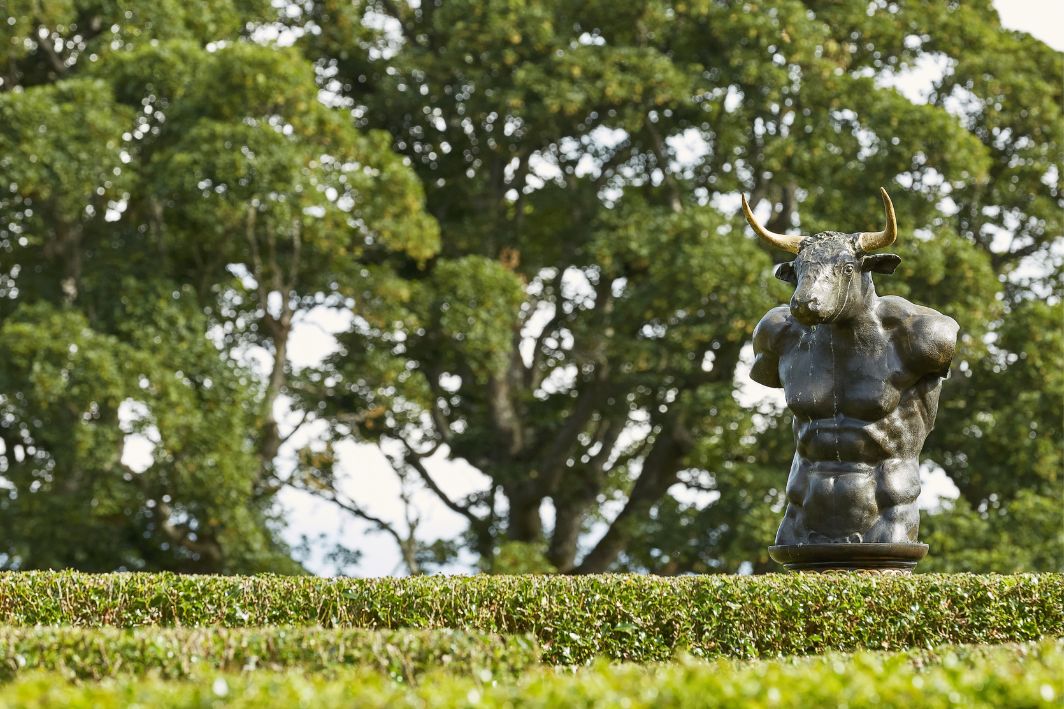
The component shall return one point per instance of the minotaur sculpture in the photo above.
(862, 375)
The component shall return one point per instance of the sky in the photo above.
(1043, 19)
(370, 480)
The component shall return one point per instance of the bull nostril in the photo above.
(805, 311)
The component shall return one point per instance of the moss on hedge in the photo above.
(172, 653)
(997, 678)
(577, 618)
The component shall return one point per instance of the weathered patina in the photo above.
(861, 374)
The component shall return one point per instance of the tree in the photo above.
(528, 209)
(176, 195)
(581, 339)
(1023, 534)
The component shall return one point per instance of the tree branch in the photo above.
(392, 9)
(297, 248)
(571, 504)
(552, 462)
(414, 461)
(179, 534)
(256, 258)
(49, 51)
(349, 506)
(302, 421)
(657, 146)
(439, 419)
(532, 377)
(619, 156)
(659, 472)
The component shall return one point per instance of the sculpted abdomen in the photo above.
(897, 482)
(843, 501)
(836, 439)
(840, 504)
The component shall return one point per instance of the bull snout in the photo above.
(808, 311)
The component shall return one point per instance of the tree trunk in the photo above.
(577, 493)
(659, 472)
(525, 522)
(270, 440)
(569, 520)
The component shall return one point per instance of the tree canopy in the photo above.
(176, 194)
(529, 210)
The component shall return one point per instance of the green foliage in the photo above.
(74, 639)
(175, 197)
(182, 653)
(85, 30)
(527, 209)
(576, 618)
(475, 309)
(521, 558)
(61, 144)
(595, 149)
(1010, 442)
(65, 382)
(1023, 533)
(1028, 676)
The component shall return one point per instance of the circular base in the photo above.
(883, 558)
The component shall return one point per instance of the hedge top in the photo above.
(576, 618)
(999, 677)
(94, 653)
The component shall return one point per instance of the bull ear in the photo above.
(785, 272)
(880, 263)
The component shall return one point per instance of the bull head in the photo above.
(832, 271)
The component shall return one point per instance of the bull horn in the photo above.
(872, 240)
(787, 242)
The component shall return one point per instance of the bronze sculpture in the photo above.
(862, 374)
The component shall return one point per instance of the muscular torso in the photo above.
(846, 407)
(864, 397)
(854, 389)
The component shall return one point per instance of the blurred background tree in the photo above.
(571, 311)
(175, 195)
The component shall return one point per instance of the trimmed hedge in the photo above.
(921, 658)
(94, 653)
(1001, 678)
(577, 618)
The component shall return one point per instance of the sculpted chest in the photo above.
(825, 373)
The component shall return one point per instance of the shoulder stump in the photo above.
(767, 336)
(930, 338)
